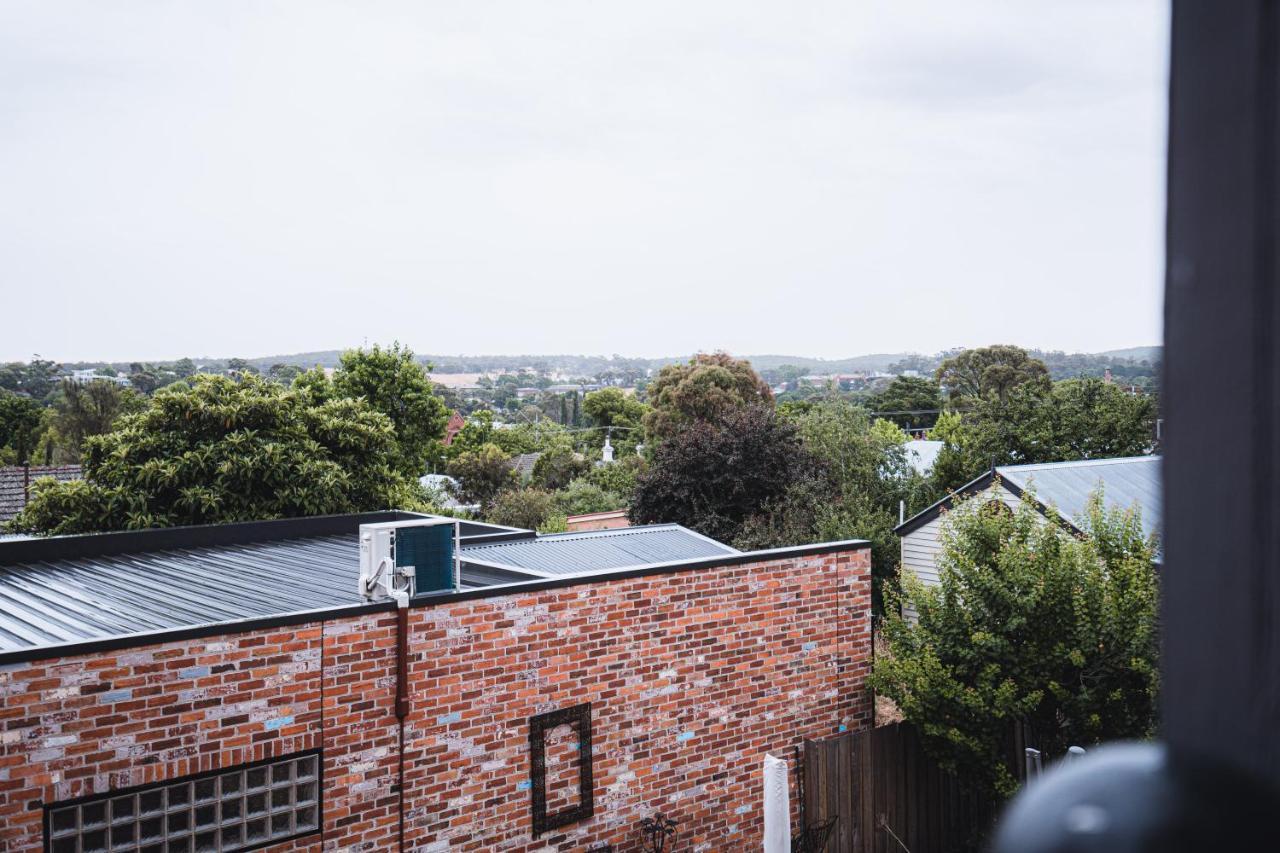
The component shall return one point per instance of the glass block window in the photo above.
(240, 808)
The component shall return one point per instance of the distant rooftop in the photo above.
(597, 550)
(14, 480)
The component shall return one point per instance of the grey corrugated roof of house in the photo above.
(1126, 482)
(68, 589)
(14, 478)
(599, 550)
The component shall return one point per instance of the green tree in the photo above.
(391, 381)
(854, 493)
(482, 475)
(558, 466)
(82, 410)
(241, 366)
(1074, 419)
(990, 373)
(909, 394)
(1029, 625)
(713, 477)
(183, 368)
(35, 378)
(706, 389)
(617, 414)
(583, 496)
(620, 477)
(21, 420)
(531, 509)
(959, 460)
(284, 373)
(223, 450)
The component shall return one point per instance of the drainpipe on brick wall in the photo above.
(402, 692)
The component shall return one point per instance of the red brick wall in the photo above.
(692, 676)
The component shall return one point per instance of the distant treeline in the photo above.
(1128, 363)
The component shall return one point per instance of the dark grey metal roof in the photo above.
(599, 550)
(70, 589)
(1126, 483)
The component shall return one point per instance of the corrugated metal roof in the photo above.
(61, 599)
(1126, 482)
(600, 550)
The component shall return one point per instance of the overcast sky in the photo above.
(818, 178)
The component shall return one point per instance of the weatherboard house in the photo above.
(1127, 483)
(396, 681)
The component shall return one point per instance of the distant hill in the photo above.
(1152, 354)
(590, 365)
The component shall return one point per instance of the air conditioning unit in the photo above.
(400, 559)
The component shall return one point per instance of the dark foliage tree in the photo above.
(482, 475)
(713, 476)
(708, 388)
(21, 421)
(223, 450)
(82, 410)
(911, 402)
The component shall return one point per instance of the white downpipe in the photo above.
(777, 806)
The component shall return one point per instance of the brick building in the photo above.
(226, 688)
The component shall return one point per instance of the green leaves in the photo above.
(221, 450)
(1028, 623)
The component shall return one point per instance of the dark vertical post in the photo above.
(1221, 585)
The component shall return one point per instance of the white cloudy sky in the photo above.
(818, 178)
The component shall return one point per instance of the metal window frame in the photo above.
(106, 797)
(579, 716)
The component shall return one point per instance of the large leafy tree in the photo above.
(1029, 625)
(708, 388)
(222, 450)
(1074, 419)
(991, 373)
(558, 466)
(620, 415)
(714, 476)
(391, 381)
(482, 474)
(854, 493)
(21, 420)
(909, 401)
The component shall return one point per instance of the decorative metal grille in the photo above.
(579, 718)
(238, 809)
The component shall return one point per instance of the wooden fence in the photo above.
(889, 796)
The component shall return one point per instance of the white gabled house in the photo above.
(1128, 482)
